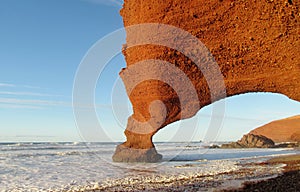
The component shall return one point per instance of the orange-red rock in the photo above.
(255, 43)
(284, 130)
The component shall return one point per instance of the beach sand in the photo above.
(277, 174)
(288, 181)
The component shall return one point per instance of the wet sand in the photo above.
(288, 181)
(277, 174)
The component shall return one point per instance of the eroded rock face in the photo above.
(254, 43)
(251, 141)
(283, 130)
(130, 155)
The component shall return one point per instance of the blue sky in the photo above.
(41, 46)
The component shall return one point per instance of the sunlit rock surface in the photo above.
(254, 43)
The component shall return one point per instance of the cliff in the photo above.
(252, 46)
(284, 130)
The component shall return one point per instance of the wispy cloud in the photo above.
(15, 103)
(30, 103)
(15, 106)
(7, 85)
(33, 102)
(35, 136)
(16, 85)
(30, 87)
(116, 3)
(28, 94)
(12, 98)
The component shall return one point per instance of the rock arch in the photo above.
(256, 45)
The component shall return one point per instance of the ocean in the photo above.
(65, 166)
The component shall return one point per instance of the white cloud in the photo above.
(14, 103)
(15, 85)
(7, 85)
(30, 87)
(117, 3)
(33, 102)
(14, 106)
(10, 102)
(28, 94)
(35, 136)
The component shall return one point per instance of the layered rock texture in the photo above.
(255, 45)
(251, 141)
(284, 130)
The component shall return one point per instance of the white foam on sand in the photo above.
(74, 166)
(167, 175)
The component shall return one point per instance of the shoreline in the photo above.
(258, 173)
(251, 176)
(194, 169)
(289, 180)
(274, 175)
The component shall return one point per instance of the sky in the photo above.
(42, 44)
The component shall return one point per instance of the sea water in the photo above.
(59, 166)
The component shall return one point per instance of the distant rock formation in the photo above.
(254, 43)
(284, 130)
(251, 141)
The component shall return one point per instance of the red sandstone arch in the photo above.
(255, 43)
